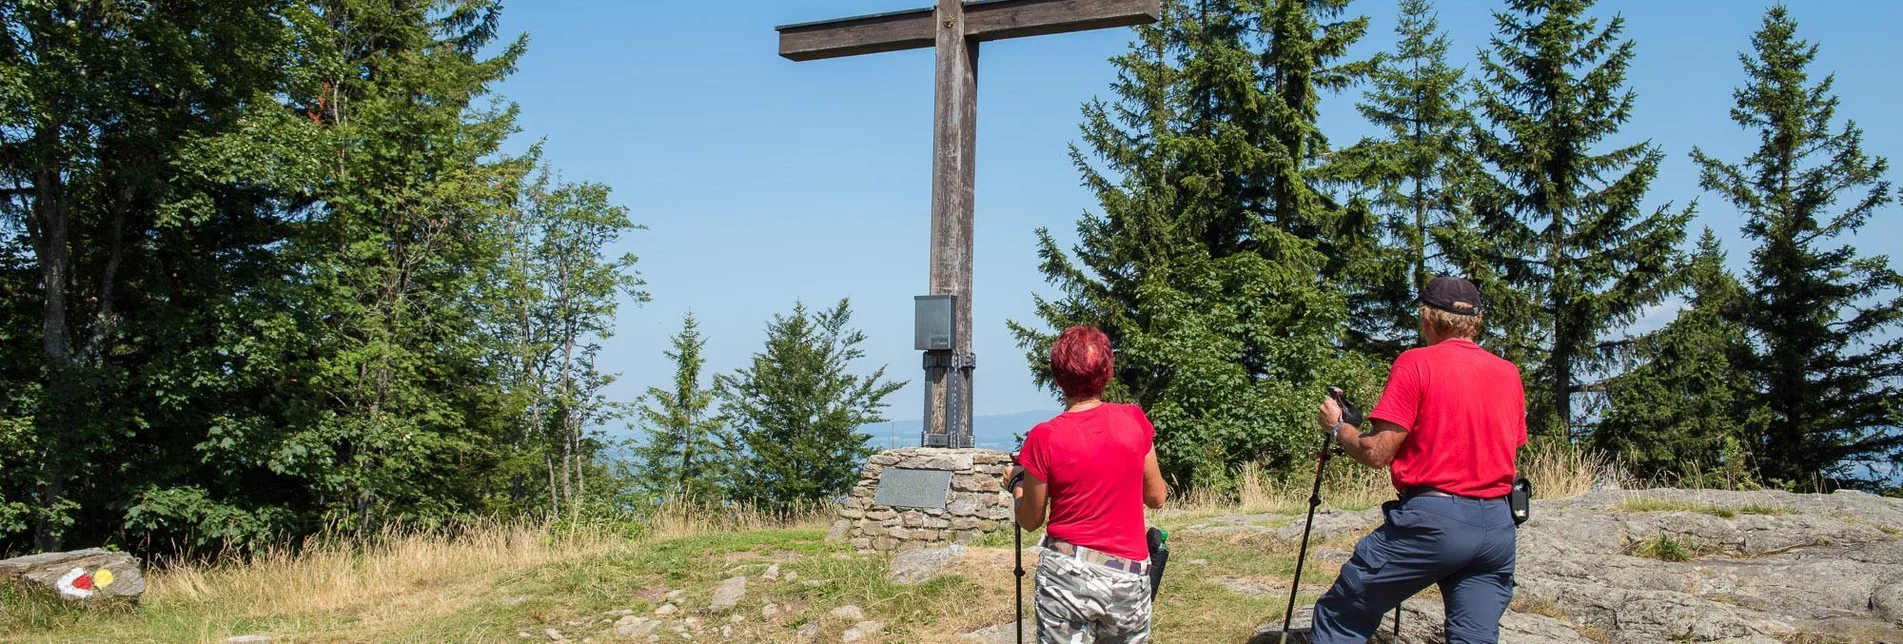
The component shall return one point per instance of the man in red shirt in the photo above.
(1448, 426)
(1094, 468)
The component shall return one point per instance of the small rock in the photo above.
(736, 618)
(730, 593)
(813, 583)
(248, 639)
(861, 631)
(772, 573)
(769, 611)
(726, 632)
(916, 566)
(692, 622)
(523, 634)
(808, 631)
(554, 635)
(1198, 562)
(619, 612)
(667, 609)
(113, 574)
(676, 595)
(515, 600)
(635, 626)
(850, 613)
(792, 576)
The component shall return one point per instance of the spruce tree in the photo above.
(1688, 404)
(797, 410)
(1571, 246)
(1415, 172)
(1825, 317)
(689, 449)
(1210, 263)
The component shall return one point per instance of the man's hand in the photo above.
(1330, 414)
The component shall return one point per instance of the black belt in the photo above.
(1424, 490)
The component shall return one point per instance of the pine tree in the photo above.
(1825, 317)
(1570, 247)
(1416, 172)
(689, 449)
(797, 410)
(1211, 264)
(1688, 405)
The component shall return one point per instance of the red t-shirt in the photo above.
(1464, 410)
(1092, 461)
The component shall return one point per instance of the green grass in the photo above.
(576, 594)
(1665, 548)
(1649, 504)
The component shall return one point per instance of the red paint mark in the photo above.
(84, 582)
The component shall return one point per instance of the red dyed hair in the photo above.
(1081, 362)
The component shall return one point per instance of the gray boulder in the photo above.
(917, 566)
(82, 575)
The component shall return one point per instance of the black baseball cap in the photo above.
(1451, 294)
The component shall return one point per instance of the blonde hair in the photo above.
(1451, 324)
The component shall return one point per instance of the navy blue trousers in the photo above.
(1466, 546)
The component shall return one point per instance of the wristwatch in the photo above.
(1334, 433)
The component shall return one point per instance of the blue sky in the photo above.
(764, 181)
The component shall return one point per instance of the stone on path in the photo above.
(1002, 633)
(770, 611)
(554, 635)
(730, 593)
(248, 639)
(772, 573)
(917, 566)
(90, 574)
(666, 609)
(850, 613)
(861, 631)
(635, 626)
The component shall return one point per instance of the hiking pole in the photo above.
(1017, 554)
(1314, 500)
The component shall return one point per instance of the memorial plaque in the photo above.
(902, 488)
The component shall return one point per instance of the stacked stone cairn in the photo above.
(977, 504)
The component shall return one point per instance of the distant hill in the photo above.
(998, 431)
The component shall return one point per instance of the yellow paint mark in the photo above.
(102, 578)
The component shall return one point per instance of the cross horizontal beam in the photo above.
(987, 20)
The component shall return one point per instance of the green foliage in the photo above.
(1824, 318)
(1569, 257)
(796, 410)
(689, 452)
(1689, 393)
(1213, 264)
(247, 271)
(1417, 173)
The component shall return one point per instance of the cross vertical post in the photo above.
(948, 374)
(954, 28)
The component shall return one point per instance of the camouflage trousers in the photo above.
(1086, 603)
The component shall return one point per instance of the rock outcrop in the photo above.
(82, 575)
(1682, 566)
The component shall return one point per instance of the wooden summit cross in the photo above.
(955, 28)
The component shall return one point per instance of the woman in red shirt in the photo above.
(1093, 468)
